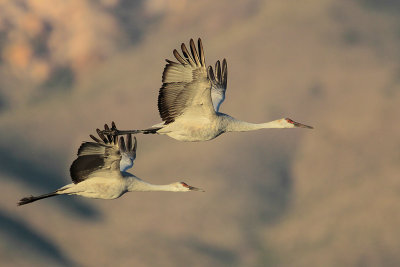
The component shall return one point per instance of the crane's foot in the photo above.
(115, 132)
(112, 132)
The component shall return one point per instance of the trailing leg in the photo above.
(27, 200)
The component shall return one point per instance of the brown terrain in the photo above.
(323, 197)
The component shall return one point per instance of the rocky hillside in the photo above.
(325, 197)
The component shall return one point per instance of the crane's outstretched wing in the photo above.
(219, 83)
(108, 153)
(186, 87)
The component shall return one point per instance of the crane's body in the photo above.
(190, 98)
(194, 129)
(100, 171)
(103, 186)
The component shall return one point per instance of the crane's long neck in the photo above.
(234, 125)
(137, 184)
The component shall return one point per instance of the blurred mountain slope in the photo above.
(279, 197)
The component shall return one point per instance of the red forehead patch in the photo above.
(184, 184)
(289, 120)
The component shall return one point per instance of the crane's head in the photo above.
(184, 187)
(288, 123)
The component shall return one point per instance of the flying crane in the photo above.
(100, 171)
(190, 98)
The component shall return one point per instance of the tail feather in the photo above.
(27, 200)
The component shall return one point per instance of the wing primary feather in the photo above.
(218, 71)
(179, 57)
(108, 136)
(194, 52)
(211, 76)
(101, 135)
(187, 55)
(201, 53)
(184, 83)
(134, 145)
(115, 137)
(122, 146)
(129, 142)
(224, 73)
(95, 139)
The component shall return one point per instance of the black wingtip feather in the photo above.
(185, 52)
(224, 73)
(134, 148)
(95, 138)
(194, 52)
(129, 142)
(201, 52)
(187, 55)
(101, 135)
(211, 76)
(218, 71)
(109, 137)
(122, 146)
(179, 57)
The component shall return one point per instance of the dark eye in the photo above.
(289, 121)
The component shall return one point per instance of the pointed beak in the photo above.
(298, 124)
(192, 188)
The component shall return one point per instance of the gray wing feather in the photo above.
(93, 157)
(109, 153)
(219, 83)
(128, 152)
(185, 85)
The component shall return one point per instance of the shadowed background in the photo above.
(326, 197)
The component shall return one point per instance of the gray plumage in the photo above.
(190, 98)
(99, 171)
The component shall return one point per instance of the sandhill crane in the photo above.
(190, 97)
(100, 171)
